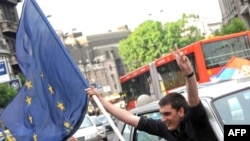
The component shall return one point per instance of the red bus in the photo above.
(208, 56)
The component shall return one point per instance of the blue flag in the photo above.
(52, 103)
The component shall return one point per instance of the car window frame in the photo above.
(214, 121)
(135, 131)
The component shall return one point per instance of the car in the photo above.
(87, 131)
(106, 123)
(226, 103)
(101, 129)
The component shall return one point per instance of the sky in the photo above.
(99, 16)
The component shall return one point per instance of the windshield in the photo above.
(86, 122)
(96, 120)
(234, 108)
(103, 119)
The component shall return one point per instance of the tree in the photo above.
(143, 45)
(7, 94)
(22, 78)
(235, 25)
(182, 32)
(151, 39)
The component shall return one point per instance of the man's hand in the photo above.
(182, 61)
(92, 91)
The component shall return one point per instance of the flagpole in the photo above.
(117, 132)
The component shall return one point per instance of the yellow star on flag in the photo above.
(66, 124)
(35, 137)
(60, 106)
(50, 89)
(30, 119)
(28, 84)
(28, 100)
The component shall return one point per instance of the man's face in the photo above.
(171, 117)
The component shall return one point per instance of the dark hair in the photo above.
(176, 100)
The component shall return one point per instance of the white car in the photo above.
(226, 103)
(106, 124)
(86, 132)
(100, 127)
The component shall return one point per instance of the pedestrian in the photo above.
(182, 120)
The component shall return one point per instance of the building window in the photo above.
(110, 67)
(241, 2)
(113, 78)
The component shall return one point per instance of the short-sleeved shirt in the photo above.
(194, 127)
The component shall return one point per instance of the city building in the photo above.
(98, 58)
(235, 8)
(8, 25)
(205, 27)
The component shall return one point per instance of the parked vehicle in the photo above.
(101, 129)
(105, 123)
(225, 102)
(87, 131)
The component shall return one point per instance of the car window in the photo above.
(103, 119)
(86, 122)
(143, 136)
(126, 132)
(96, 121)
(234, 108)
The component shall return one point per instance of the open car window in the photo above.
(143, 136)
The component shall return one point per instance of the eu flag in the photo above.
(52, 103)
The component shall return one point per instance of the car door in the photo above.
(213, 118)
(131, 134)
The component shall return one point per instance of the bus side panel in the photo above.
(203, 73)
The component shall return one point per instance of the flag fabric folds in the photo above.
(52, 103)
(235, 68)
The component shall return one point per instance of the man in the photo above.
(181, 120)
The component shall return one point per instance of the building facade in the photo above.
(235, 8)
(8, 26)
(98, 58)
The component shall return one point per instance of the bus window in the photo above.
(171, 74)
(133, 88)
(218, 53)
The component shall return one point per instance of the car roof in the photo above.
(93, 116)
(147, 107)
(206, 90)
(216, 89)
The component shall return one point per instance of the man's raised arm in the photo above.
(191, 84)
(119, 113)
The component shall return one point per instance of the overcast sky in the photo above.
(99, 16)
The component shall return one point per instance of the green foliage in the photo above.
(151, 39)
(143, 45)
(236, 25)
(22, 78)
(7, 94)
